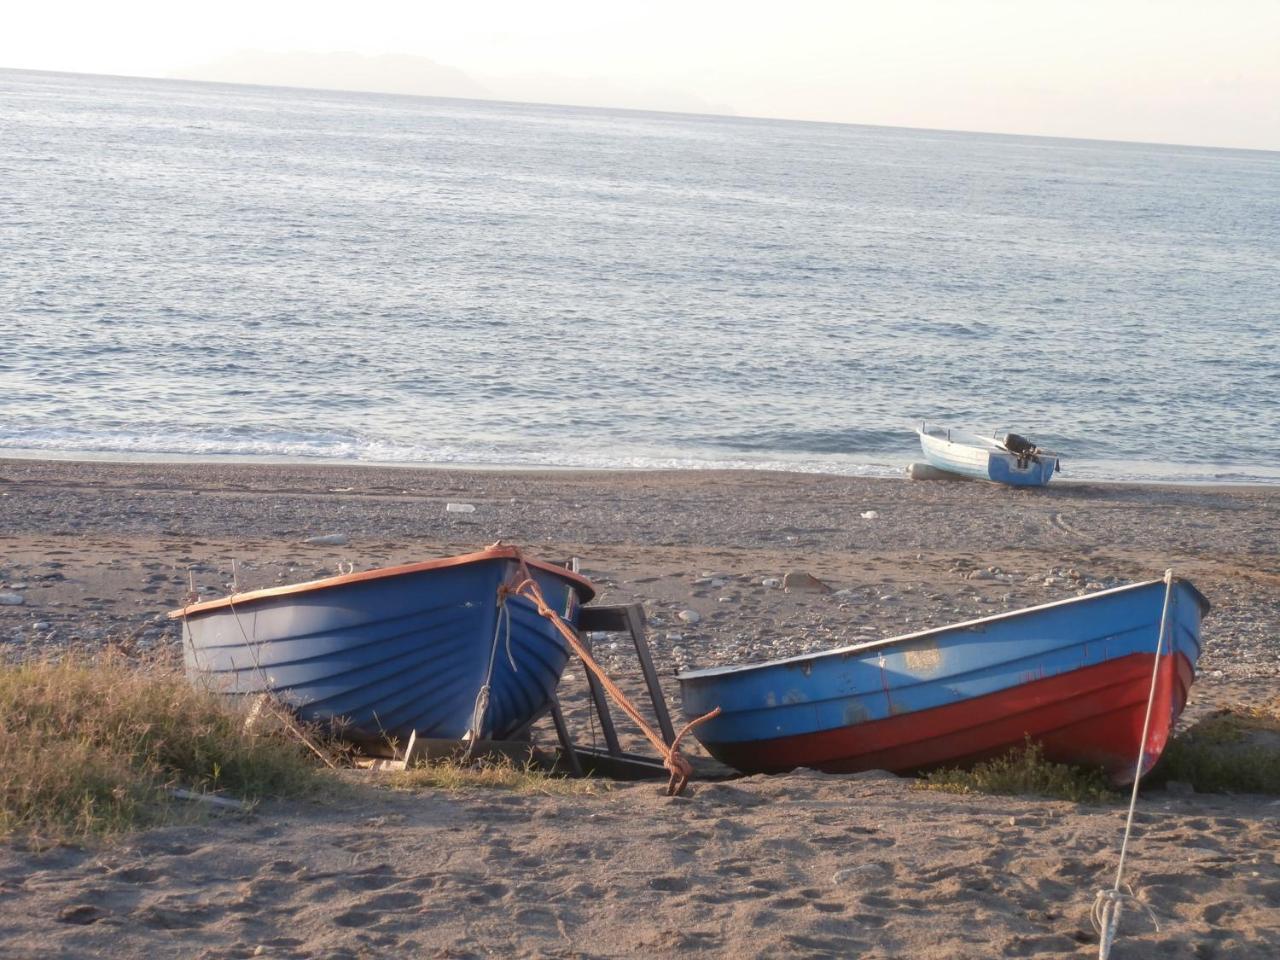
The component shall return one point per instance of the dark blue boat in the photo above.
(1074, 675)
(395, 650)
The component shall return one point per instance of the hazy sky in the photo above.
(1180, 71)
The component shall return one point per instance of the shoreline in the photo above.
(268, 462)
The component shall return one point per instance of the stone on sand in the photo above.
(328, 540)
(798, 581)
(12, 599)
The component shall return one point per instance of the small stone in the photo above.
(19, 586)
(41, 625)
(459, 508)
(798, 581)
(328, 540)
(689, 616)
(12, 599)
(81, 914)
(773, 583)
(870, 514)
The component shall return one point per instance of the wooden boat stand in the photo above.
(613, 761)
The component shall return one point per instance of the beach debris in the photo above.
(328, 540)
(12, 599)
(459, 508)
(870, 514)
(210, 799)
(863, 872)
(689, 616)
(800, 581)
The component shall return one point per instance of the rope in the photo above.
(481, 706)
(1106, 906)
(675, 762)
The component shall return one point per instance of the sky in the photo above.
(1203, 72)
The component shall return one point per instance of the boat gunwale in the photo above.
(584, 586)
(869, 645)
(974, 441)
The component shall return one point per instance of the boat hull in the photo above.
(1074, 676)
(981, 462)
(386, 655)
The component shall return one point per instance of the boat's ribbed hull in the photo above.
(392, 655)
(1073, 675)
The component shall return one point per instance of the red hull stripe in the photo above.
(1093, 716)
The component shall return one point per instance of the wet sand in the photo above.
(800, 865)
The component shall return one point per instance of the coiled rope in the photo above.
(1106, 906)
(675, 762)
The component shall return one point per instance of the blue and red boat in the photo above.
(1074, 675)
(392, 651)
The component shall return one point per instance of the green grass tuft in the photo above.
(88, 746)
(1236, 750)
(1024, 772)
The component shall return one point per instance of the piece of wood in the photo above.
(421, 749)
(212, 800)
(379, 764)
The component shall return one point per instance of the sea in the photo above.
(198, 270)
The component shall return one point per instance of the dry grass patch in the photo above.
(455, 776)
(90, 745)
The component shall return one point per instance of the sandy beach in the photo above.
(798, 865)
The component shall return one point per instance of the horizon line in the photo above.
(647, 110)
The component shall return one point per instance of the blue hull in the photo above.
(1073, 673)
(392, 652)
(970, 456)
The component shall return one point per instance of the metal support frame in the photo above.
(614, 761)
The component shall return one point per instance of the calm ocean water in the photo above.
(198, 269)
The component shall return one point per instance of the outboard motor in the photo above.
(1022, 448)
(1018, 444)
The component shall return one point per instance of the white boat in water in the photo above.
(1014, 460)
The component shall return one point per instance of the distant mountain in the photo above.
(388, 73)
(401, 73)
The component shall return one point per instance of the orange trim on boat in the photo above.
(584, 586)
